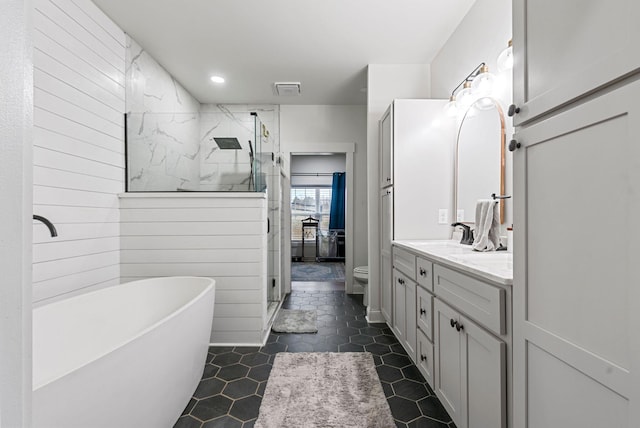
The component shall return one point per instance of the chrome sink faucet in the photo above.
(467, 233)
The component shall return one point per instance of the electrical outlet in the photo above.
(443, 216)
(460, 216)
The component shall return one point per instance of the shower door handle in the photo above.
(268, 225)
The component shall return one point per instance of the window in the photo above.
(309, 202)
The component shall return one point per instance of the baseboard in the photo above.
(375, 317)
(236, 344)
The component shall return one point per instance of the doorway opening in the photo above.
(318, 215)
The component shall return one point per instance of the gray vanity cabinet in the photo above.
(470, 370)
(564, 49)
(404, 312)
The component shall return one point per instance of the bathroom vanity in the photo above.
(452, 313)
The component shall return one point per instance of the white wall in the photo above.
(385, 82)
(78, 154)
(222, 236)
(304, 125)
(316, 164)
(481, 36)
(16, 120)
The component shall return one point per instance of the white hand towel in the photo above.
(487, 236)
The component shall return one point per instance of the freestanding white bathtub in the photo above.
(125, 356)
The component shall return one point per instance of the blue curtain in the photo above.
(336, 215)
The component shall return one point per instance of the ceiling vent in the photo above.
(286, 89)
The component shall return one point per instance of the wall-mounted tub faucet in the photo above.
(467, 233)
(52, 228)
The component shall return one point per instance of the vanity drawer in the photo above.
(481, 301)
(424, 306)
(424, 357)
(405, 262)
(424, 273)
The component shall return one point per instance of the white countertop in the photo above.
(495, 266)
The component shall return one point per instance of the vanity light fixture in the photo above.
(217, 79)
(505, 59)
(460, 102)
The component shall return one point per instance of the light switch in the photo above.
(443, 216)
(460, 216)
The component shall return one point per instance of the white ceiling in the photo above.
(324, 44)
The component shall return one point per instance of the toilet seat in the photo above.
(361, 272)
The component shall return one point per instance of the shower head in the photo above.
(228, 143)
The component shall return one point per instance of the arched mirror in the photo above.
(480, 158)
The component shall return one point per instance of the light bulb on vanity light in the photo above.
(465, 97)
(505, 59)
(451, 109)
(483, 83)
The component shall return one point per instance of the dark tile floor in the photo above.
(235, 378)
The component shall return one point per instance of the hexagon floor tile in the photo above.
(235, 378)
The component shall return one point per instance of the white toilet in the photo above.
(361, 275)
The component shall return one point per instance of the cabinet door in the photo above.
(424, 357)
(399, 299)
(386, 220)
(425, 311)
(411, 326)
(447, 350)
(386, 153)
(575, 295)
(386, 287)
(483, 377)
(563, 49)
(386, 276)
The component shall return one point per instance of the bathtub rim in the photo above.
(209, 287)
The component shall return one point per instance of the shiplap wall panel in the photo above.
(194, 256)
(74, 232)
(191, 242)
(47, 64)
(46, 25)
(226, 283)
(65, 144)
(72, 197)
(192, 215)
(218, 236)
(92, 280)
(211, 228)
(72, 21)
(58, 178)
(49, 84)
(45, 157)
(79, 103)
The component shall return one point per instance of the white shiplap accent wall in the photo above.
(78, 154)
(217, 235)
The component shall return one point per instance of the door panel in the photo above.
(565, 49)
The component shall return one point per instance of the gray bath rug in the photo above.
(324, 389)
(295, 321)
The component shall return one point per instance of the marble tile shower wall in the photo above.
(170, 134)
(228, 170)
(164, 126)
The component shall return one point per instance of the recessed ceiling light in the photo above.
(217, 79)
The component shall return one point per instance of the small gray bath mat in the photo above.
(324, 389)
(295, 321)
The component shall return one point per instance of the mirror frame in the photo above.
(503, 139)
